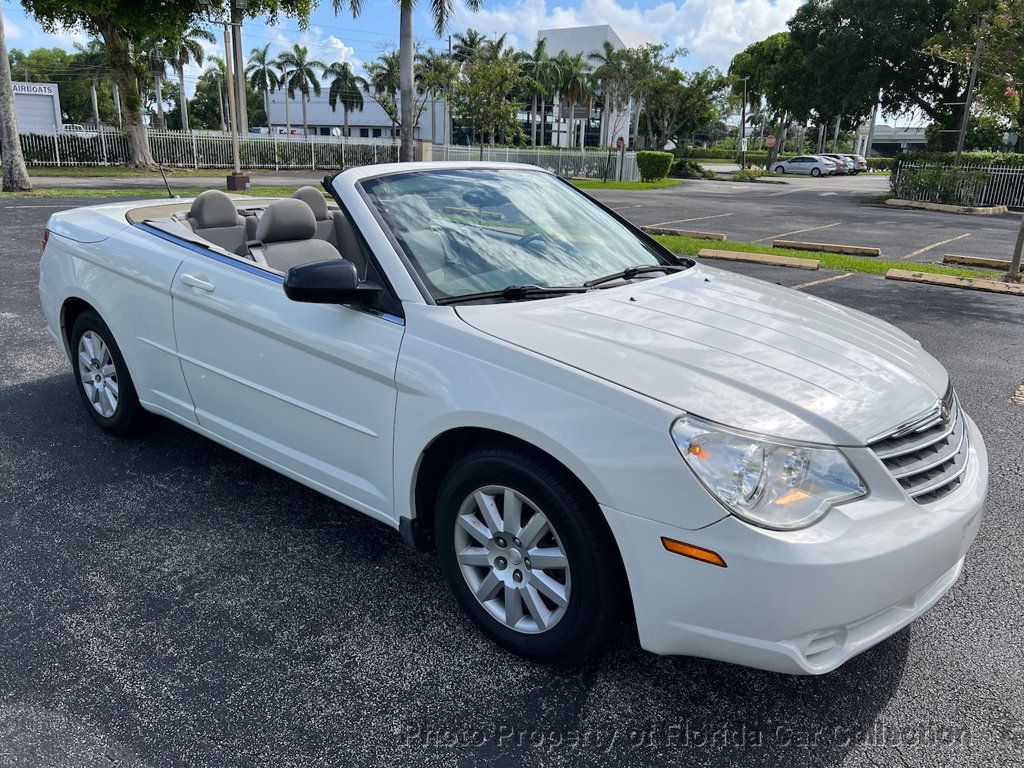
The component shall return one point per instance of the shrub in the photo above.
(653, 165)
(747, 174)
(1014, 159)
(938, 184)
(881, 163)
(690, 169)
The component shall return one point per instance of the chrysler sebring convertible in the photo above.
(584, 427)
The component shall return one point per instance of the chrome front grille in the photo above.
(927, 455)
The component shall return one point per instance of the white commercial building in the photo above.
(588, 41)
(37, 107)
(371, 122)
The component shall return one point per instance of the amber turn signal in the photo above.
(693, 551)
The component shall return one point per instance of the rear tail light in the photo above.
(43, 241)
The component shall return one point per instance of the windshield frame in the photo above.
(660, 252)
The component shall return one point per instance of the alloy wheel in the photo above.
(98, 373)
(512, 559)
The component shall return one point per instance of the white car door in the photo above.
(307, 388)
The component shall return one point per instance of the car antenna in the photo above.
(168, 186)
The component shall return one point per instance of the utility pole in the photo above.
(743, 126)
(238, 8)
(962, 134)
(236, 181)
(448, 99)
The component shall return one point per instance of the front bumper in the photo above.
(801, 602)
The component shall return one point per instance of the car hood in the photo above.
(734, 350)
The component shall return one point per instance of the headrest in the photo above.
(213, 209)
(311, 196)
(285, 220)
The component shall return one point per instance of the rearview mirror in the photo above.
(334, 281)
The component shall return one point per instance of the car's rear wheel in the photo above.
(103, 380)
(528, 556)
(815, 172)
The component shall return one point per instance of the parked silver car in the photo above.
(860, 164)
(813, 165)
(844, 165)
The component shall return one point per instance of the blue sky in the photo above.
(711, 30)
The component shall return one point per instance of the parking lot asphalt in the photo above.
(166, 602)
(843, 210)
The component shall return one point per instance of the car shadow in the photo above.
(181, 599)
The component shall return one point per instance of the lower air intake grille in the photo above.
(928, 454)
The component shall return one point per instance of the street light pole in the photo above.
(961, 136)
(236, 181)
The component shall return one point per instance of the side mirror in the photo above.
(334, 281)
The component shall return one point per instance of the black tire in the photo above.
(597, 597)
(780, 169)
(815, 172)
(128, 417)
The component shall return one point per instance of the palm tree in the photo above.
(436, 73)
(92, 58)
(441, 12)
(14, 174)
(262, 75)
(533, 67)
(155, 60)
(385, 83)
(303, 75)
(467, 45)
(185, 49)
(345, 88)
(219, 69)
(570, 73)
(610, 72)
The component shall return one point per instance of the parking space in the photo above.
(166, 602)
(843, 210)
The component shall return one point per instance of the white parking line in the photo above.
(796, 232)
(919, 251)
(695, 218)
(624, 207)
(801, 286)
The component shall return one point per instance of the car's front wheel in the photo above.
(780, 169)
(528, 556)
(103, 380)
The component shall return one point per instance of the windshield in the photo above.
(473, 231)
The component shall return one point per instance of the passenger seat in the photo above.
(334, 227)
(287, 236)
(213, 217)
(324, 221)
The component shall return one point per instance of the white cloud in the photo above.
(12, 30)
(712, 30)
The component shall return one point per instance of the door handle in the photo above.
(195, 282)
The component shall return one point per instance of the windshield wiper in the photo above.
(630, 272)
(516, 292)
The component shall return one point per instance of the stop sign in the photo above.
(620, 143)
(769, 141)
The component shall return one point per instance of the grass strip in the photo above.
(133, 193)
(690, 246)
(628, 186)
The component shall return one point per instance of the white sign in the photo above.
(35, 89)
(743, 144)
(335, 131)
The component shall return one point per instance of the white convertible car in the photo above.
(582, 425)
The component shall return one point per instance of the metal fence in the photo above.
(572, 163)
(980, 185)
(213, 150)
(206, 150)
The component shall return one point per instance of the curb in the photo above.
(951, 281)
(684, 233)
(990, 210)
(976, 261)
(759, 258)
(852, 250)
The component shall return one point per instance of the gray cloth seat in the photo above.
(287, 233)
(325, 229)
(213, 217)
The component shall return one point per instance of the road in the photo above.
(166, 602)
(841, 209)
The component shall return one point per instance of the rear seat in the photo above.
(213, 217)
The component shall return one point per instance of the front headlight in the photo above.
(769, 484)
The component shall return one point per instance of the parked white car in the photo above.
(582, 425)
(811, 165)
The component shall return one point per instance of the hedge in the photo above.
(1013, 159)
(939, 184)
(653, 165)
